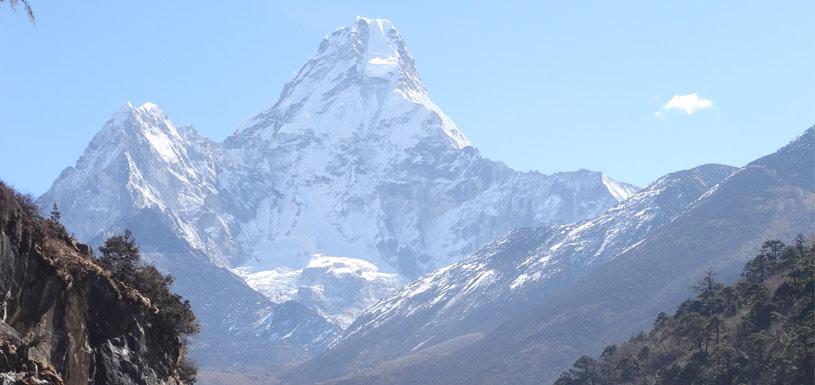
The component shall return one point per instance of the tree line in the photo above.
(760, 330)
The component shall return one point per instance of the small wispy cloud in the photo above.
(688, 104)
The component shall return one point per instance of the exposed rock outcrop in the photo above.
(65, 320)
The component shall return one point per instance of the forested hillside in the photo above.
(760, 330)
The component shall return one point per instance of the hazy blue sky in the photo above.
(552, 86)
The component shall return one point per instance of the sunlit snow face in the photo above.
(382, 51)
(339, 288)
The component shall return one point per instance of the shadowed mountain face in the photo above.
(551, 294)
(353, 160)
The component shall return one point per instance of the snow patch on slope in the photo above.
(339, 288)
(620, 191)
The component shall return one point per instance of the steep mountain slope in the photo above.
(759, 330)
(523, 268)
(770, 198)
(68, 320)
(353, 160)
(773, 197)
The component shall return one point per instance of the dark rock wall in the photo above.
(65, 317)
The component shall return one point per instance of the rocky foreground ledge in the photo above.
(64, 319)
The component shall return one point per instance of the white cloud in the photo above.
(689, 104)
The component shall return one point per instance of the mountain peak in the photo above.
(149, 107)
(146, 123)
(361, 82)
(130, 119)
(146, 108)
(383, 28)
(369, 20)
(376, 49)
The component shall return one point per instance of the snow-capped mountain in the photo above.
(353, 160)
(363, 164)
(523, 308)
(339, 288)
(138, 155)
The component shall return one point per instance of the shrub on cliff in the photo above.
(174, 317)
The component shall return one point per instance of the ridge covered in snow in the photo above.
(553, 250)
(522, 308)
(511, 274)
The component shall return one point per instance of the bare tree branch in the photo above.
(26, 6)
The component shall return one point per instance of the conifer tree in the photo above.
(760, 330)
(56, 215)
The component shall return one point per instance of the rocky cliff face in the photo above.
(64, 320)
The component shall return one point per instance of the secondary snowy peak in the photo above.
(132, 126)
(144, 134)
(138, 160)
(362, 82)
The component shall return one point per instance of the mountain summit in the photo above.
(355, 127)
(352, 161)
(365, 73)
